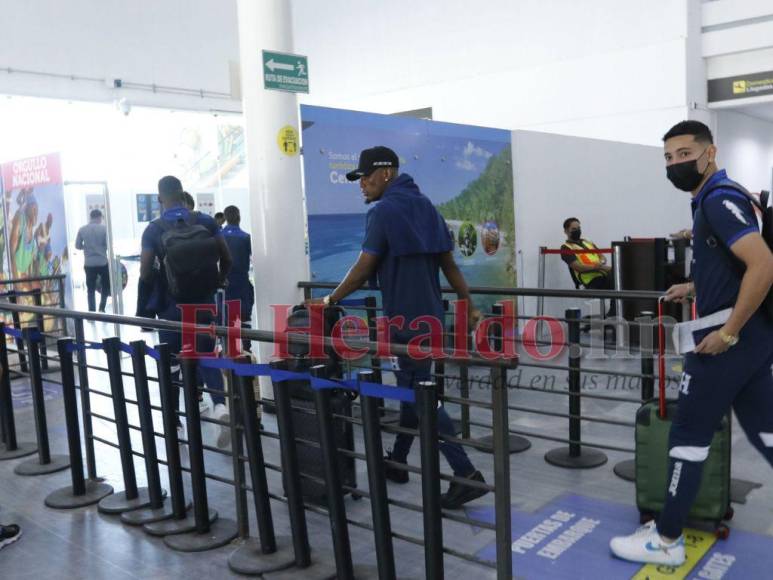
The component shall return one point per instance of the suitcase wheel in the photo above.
(722, 532)
(645, 517)
(729, 514)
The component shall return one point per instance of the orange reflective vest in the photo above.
(586, 259)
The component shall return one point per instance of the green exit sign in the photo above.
(285, 72)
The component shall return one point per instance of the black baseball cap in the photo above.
(372, 159)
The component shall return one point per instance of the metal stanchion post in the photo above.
(501, 425)
(269, 553)
(81, 493)
(464, 393)
(321, 567)
(379, 500)
(19, 342)
(207, 536)
(45, 462)
(37, 300)
(426, 401)
(156, 511)
(13, 449)
(627, 469)
(517, 444)
(617, 272)
(83, 384)
(339, 528)
(181, 521)
(237, 451)
(131, 498)
(575, 456)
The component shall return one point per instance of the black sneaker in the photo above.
(9, 534)
(393, 473)
(459, 494)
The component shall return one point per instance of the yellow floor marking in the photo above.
(697, 543)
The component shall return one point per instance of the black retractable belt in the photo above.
(207, 535)
(156, 511)
(45, 462)
(132, 497)
(322, 566)
(13, 449)
(574, 456)
(181, 521)
(81, 493)
(269, 553)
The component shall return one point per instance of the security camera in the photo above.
(124, 106)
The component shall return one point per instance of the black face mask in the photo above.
(575, 235)
(685, 175)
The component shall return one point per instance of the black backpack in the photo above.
(190, 259)
(764, 205)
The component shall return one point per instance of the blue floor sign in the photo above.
(569, 539)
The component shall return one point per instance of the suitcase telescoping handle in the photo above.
(661, 361)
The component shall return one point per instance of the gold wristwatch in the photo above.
(327, 301)
(729, 339)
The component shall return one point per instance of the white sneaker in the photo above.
(203, 407)
(220, 413)
(645, 545)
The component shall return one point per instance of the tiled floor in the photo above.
(85, 544)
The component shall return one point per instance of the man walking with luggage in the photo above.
(92, 239)
(732, 363)
(194, 261)
(406, 244)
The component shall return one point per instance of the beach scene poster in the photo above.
(465, 170)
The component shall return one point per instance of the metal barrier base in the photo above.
(250, 560)
(64, 498)
(117, 503)
(22, 450)
(34, 467)
(322, 567)
(185, 525)
(588, 458)
(149, 516)
(626, 470)
(220, 533)
(517, 444)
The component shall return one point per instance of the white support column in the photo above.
(276, 198)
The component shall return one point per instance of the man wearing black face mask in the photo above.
(731, 365)
(588, 270)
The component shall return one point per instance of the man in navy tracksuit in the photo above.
(239, 286)
(732, 364)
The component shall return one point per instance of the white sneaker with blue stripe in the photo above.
(645, 545)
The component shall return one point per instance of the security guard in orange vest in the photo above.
(588, 270)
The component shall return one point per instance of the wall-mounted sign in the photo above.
(741, 87)
(285, 72)
(148, 208)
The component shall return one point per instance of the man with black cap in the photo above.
(176, 217)
(406, 245)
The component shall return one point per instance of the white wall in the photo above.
(171, 43)
(599, 68)
(615, 189)
(745, 145)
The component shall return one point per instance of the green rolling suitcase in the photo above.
(653, 422)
